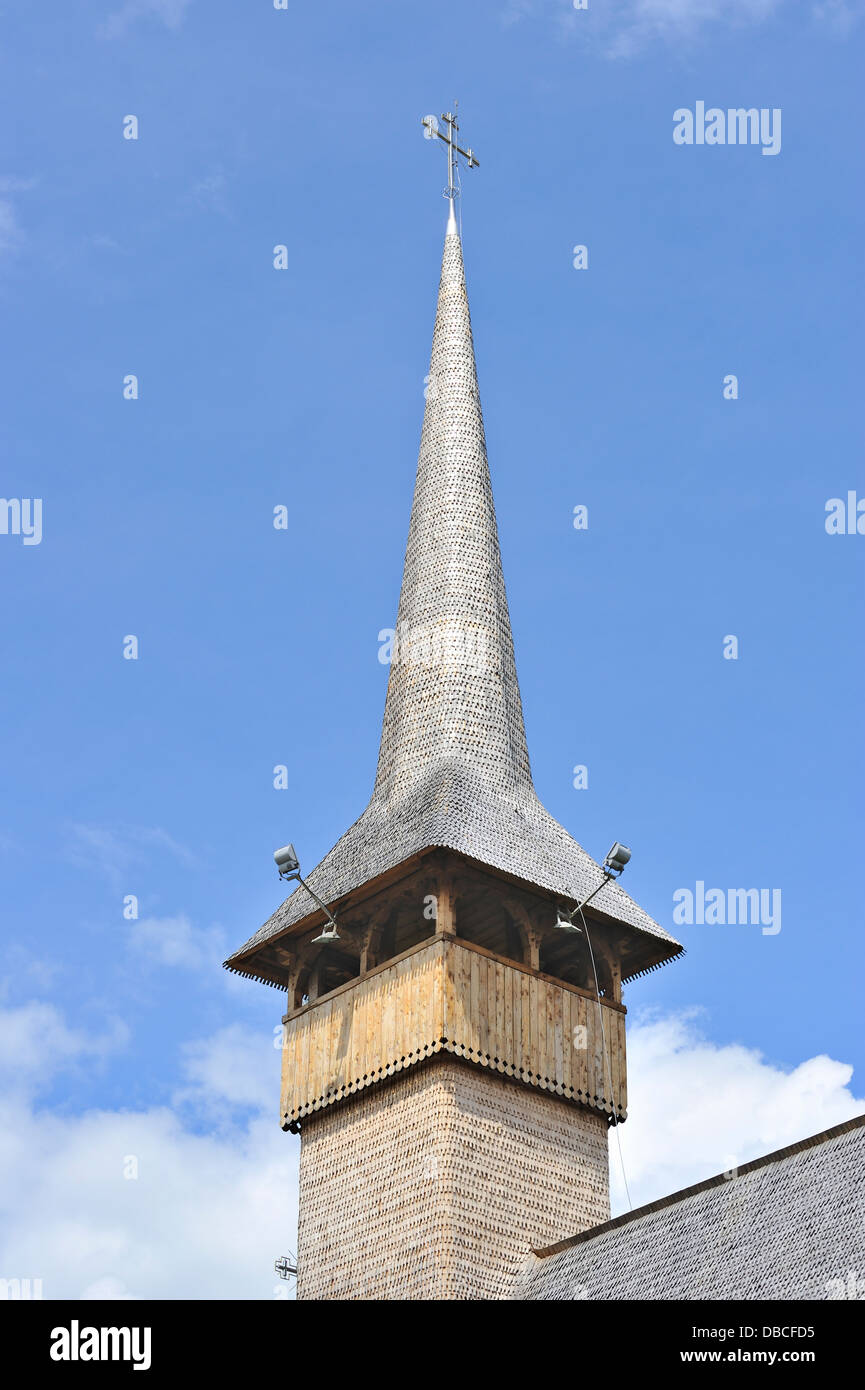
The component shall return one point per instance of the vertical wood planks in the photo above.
(487, 1009)
(525, 1024)
(500, 1051)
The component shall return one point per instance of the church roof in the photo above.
(453, 767)
(790, 1225)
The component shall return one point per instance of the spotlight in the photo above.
(326, 935)
(288, 864)
(612, 868)
(564, 922)
(616, 860)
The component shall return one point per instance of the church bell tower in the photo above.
(453, 1058)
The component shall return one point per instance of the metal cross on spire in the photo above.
(286, 1267)
(431, 131)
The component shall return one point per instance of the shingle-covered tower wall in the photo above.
(436, 1184)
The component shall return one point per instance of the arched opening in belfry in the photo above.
(325, 968)
(481, 917)
(577, 958)
(412, 921)
(566, 958)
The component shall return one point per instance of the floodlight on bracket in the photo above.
(288, 864)
(612, 868)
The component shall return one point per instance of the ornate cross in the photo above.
(285, 1268)
(431, 131)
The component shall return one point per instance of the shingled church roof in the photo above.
(790, 1225)
(453, 768)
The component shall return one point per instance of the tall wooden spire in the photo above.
(451, 1058)
(453, 769)
(453, 703)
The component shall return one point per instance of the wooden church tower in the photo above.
(447, 1060)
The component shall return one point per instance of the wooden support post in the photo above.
(446, 923)
(616, 975)
(290, 962)
(371, 936)
(529, 933)
(534, 944)
(312, 989)
(609, 970)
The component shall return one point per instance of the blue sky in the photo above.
(258, 647)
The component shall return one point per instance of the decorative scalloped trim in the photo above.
(543, 1083)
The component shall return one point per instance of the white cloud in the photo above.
(174, 941)
(36, 1044)
(206, 1216)
(105, 1290)
(208, 1213)
(231, 1067)
(169, 12)
(698, 1108)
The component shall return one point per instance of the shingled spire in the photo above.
(453, 769)
(453, 703)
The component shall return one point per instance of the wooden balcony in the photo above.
(448, 995)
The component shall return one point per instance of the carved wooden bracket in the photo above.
(610, 976)
(529, 934)
(371, 935)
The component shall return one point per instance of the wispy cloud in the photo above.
(174, 941)
(103, 242)
(234, 1068)
(13, 185)
(36, 1043)
(168, 12)
(840, 15)
(22, 965)
(640, 22)
(209, 193)
(117, 853)
(627, 27)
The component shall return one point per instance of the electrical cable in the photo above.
(608, 1061)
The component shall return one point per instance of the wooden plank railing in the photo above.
(447, 995)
